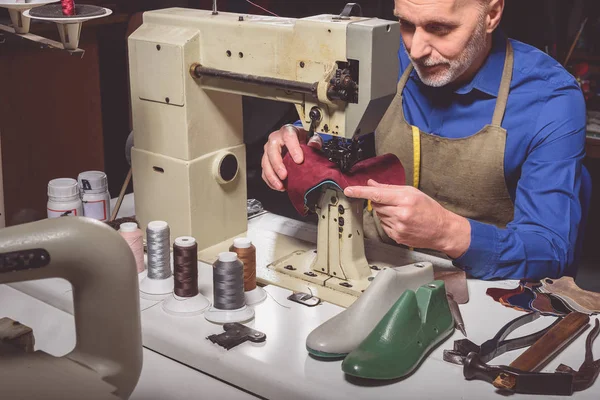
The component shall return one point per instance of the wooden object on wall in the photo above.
(50, 121)
(2, 216)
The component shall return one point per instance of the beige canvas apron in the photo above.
(466, 175)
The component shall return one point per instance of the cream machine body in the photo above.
(188, 72)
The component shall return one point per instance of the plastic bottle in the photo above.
(94, 195)
(63, 198)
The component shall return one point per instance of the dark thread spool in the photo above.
(246, 252)
(228, 282)
(185, 263)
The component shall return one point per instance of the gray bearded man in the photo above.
(501, 133)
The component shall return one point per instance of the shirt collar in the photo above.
(489, 76)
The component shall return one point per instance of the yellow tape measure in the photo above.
(416, 162)
(416, 156)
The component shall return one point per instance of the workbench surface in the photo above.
(161, 378)
(281, 368)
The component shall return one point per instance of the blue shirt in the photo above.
(545, 121)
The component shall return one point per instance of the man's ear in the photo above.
(494, 14)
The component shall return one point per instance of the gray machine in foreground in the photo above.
(107, 359)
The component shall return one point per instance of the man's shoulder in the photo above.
(534, 69)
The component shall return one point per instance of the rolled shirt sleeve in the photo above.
(540, 241)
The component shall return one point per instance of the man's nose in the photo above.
(420, 47)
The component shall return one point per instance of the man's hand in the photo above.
(273, 170)
(412, 218)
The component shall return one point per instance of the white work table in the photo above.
(281, 368)
(161, 378)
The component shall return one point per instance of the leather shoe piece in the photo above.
(416, 324)
(343, 333)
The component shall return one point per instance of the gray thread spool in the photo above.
(158, 239)
(228, 282)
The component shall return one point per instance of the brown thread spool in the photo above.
(246, 252)
(185, 262)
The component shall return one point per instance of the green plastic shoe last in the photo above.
(415, 324)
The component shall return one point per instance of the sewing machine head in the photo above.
(340, 71)
(189, 70)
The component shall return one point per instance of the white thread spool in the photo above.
(93, 186)
(135, 239)
(63, 198)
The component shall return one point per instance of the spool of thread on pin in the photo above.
(158, 284)
(246, 253)
(185, 266)
(158, 240)
(186, 300)
(229, 303)
(134, 238)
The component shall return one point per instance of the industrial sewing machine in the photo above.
(188, 72)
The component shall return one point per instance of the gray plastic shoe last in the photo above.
(343, 333)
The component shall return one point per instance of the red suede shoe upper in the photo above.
(304, 180)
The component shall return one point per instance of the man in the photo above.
(500, 128)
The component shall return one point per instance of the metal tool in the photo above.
(455, 310)
(236, 334)
(589, 370)
(564, 381)
(344, 153)
(497, 345)
(305, 299)
(545, 348)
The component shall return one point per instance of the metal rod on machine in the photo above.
(199, 71)
(214, 11)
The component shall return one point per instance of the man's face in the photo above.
(442, 37)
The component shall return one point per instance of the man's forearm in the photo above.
(514, 253)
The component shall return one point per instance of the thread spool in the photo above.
(186, 299)
(229, 303)
(158, 284)
(185, 266)
(134, 238)
(246, 253)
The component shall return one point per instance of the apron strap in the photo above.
(401, 85)
(404, 78)
(504, 86)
